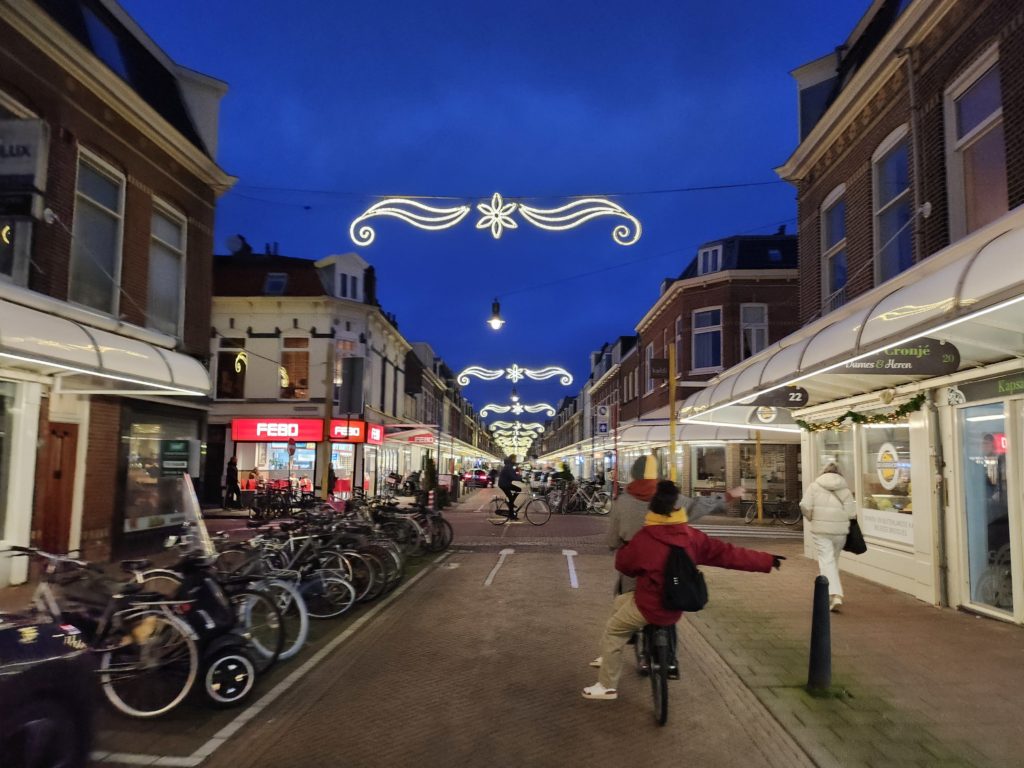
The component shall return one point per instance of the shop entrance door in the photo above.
(985, 456)
(55, 483)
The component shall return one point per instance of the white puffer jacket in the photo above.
(829, 505)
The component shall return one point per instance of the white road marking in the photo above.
(501, 561)
(252, 710)
(569, 555)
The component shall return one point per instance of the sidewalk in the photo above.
(920, 686)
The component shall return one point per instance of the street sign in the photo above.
(602, 419)
(291, 446)
(602, 428)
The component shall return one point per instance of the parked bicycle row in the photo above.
(228, 609)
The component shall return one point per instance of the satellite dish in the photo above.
(235, 243)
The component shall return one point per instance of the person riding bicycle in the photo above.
(506, 482)
(644, 558)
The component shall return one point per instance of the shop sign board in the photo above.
(277, 430)
(987, 389)
(659, 367)
(347, 431)
(374, 434)
(784, 397)
(422, 439)
(174, 457)
(886, 524)
(923, 357)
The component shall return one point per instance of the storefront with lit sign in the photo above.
(277, 449)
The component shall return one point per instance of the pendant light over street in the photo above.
(496, 321)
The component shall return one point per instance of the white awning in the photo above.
(86, 359)
(970, 295)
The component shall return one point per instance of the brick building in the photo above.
(107, 193)
(910, 179)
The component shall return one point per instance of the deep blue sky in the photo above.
(332, 104)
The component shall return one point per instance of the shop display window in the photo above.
(708, 467)
(772, 469)
(984, 455)
(294, 369)
(885, 491)
(159, 450)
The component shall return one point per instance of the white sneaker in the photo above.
(598, 691)
(596, 662)
(834, 602)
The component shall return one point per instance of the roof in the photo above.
(129, 55)
(247, 276)
(777, 251)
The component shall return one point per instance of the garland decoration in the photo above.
(892, 417)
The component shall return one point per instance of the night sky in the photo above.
(335, 104)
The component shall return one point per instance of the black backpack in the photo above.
(685, 589)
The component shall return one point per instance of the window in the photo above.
(96, 235)
(232, 362)
(355, 286)
(105, 43)
(166, 269)
(774, 255)
(648, 358)
(294, 369)
(275, 283)
(893, 206)
(707, 339)
(753, 329)
(344, 286)
(976, 147)
(833, 250)
(709, 260)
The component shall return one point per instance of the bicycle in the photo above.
(780, 510)
(655, 658)
(502, 511)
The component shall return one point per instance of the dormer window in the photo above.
(275, 283)
(709, 260)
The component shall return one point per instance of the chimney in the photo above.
(782, 230)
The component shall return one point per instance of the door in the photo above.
(213, 492)
(55, 483)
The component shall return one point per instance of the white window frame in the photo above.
(834, 198)
(168, 211)
(761, 326)
(954, 147)
(648, 357)
(281, 365)
(678, 341)
(103, 167)
(709, 260)
(694, 331)
(889, 143)
(245, 361)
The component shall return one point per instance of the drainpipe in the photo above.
(915, 148)
(939, 501)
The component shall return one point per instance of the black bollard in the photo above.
(819, 675)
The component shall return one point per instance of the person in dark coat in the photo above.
(233, 492)
(506, 481)
(643, 558)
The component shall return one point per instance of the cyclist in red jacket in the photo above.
(644, 558)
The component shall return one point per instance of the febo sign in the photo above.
(347, 431)
(277, 430)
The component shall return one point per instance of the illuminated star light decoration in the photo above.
(518, 408)
(496, 216)
(514, 374)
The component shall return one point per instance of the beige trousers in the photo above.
(624, 621)
(828, 547)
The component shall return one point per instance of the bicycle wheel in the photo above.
(659, 676)
(327, 595)
(601, 503)
(233, 561)
(537, 512)
(749, 511)
(360, 573)
(228, 677)
(155, 671)
(294, 615)
(441, 534)
(789, 512)
(380, 575)
(259, 616)
(161, 581)
(497, 512)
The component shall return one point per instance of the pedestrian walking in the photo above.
(829, 506)
(644, 558)
(232, 492)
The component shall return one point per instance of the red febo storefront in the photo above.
(270, 449)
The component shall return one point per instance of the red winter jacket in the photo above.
(645, 555)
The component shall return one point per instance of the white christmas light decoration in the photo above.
(411, 212)
(517, 409)
(482, 373)
(514, 374)
(496, 216)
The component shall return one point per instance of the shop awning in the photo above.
(86, 359)
(969, 295)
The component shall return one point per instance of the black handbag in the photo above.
(855, 543)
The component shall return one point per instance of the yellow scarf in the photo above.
(677, 517)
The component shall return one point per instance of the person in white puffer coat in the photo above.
(829, 506)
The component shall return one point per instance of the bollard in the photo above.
(819, 674)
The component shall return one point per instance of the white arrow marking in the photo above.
(501, 561)
(569, 555)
